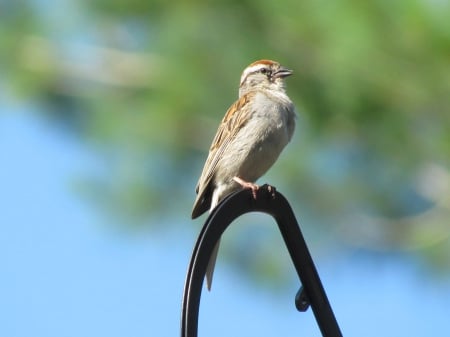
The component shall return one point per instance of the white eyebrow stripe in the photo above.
(250, 70)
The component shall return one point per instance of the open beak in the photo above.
(282, 72)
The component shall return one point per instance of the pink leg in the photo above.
(246, 184)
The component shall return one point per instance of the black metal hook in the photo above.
(271, 202)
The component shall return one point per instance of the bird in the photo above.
(250, 138)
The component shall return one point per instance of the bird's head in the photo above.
(263, 74)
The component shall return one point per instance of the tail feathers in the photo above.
(208, 199)
(211, 265)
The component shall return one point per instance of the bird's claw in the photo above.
(272, 191)
(248, 185)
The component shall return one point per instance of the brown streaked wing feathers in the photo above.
(232, 122)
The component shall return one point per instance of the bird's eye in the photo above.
(264, 71)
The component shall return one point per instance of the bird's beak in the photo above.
(282, 72)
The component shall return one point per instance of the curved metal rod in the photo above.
(275, 204)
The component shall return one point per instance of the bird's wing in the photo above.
(235, 118)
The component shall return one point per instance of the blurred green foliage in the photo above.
(145, 83)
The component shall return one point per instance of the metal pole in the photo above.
(275, 204)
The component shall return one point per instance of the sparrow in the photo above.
(251, 136)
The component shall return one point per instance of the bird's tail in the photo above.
(211, 265)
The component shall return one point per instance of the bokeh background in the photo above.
(108, 109)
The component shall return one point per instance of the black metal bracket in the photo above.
(271, 202)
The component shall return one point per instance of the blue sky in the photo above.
(66, 272)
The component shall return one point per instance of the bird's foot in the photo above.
(272, 190)
(246, 184)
